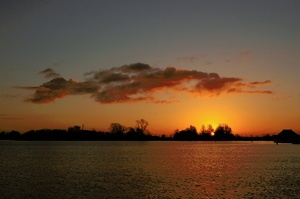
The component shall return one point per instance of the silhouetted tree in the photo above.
(223, 132)
(205, 133)
(2, 135)
(117, 130)
(13, 135)
(187, 134)
(209, 129)
(142, 124)
(141, 127)
(130, 134)
(75, 128)
(192, 129)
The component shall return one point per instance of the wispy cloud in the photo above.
(242, 57)
(245, 56)
(138, 82)
(49, 73)
(186, 58)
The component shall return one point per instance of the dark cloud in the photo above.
(241, 91)
(49, 73)
(49, 91)
(138, 82)
(84, 87)
(216, 83)
(135, 67)
(254, 84)
(115, 77)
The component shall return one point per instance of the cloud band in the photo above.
(137, 82)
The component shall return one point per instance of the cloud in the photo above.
(49, 91)
(245, 56)
(216, 83)
(187, 59)
(49, 73)
(240, 91)
(138, 82)
(255, 84)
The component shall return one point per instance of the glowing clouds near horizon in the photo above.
(139, 82)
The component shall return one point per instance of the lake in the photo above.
(56, 169)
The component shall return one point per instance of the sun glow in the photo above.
(214, 125)
(211, 124)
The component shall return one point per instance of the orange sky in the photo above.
(246, 114)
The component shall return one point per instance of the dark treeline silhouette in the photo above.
(77, 133)
(222, 132)
(119, 132)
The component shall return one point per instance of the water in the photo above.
(149, 170)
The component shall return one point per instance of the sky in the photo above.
(173, 63)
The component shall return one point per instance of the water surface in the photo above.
(149, 170)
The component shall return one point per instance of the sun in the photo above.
(212, 134)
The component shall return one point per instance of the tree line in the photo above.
(120, 132)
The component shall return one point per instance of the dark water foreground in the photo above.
(149, 170)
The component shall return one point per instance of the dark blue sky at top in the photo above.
(83, 22)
